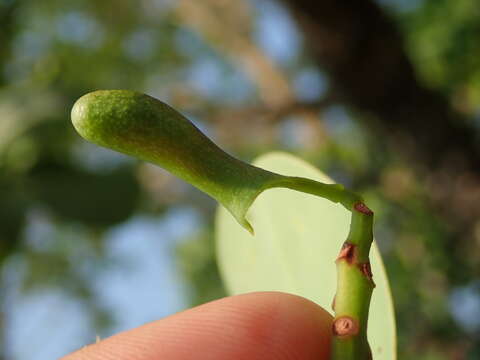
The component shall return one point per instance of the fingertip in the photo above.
(264, 325)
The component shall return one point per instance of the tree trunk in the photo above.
(362, 52)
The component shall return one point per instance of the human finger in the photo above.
(264, 325)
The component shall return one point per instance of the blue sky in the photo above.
(146, 287)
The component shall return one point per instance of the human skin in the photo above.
(262, 325)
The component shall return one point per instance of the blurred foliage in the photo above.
(442, 37)
(198, 264)
(60, 195)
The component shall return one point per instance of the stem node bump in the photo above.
(347, 252)
(362, 208)
(345, 326)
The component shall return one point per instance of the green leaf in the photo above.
(148, 129)
(297, 239)
(144, 127)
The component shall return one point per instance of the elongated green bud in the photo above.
(139, 125)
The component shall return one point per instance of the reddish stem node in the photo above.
(367, 271)
(345, 326)
(347, 252)
(364, 209)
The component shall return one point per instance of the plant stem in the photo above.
(354, 277)
(333, 192)
(354, 289)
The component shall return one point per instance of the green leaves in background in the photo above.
(297, 239)
(99, 200)
(12, 213)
